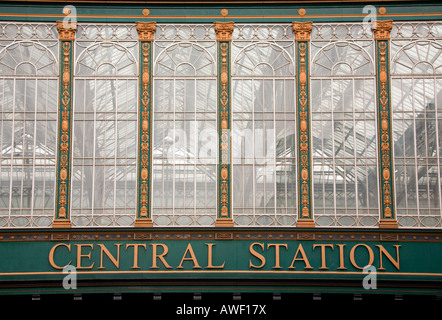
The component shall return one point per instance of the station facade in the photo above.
(221, 147)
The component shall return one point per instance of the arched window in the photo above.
(184, 127)
(104, 170)
(417, 127)
(28, 129)
(344, 144)
(263, 128)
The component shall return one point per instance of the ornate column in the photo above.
(382, 36)
(146, 31)
(302, 32)
(224, 32)
(66, 33)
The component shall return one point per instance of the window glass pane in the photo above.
(416, 82)
(264, 124)
(28, 128)
(344, 126)
(105, 130)
(185, 135)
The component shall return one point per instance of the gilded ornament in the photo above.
(65, 125)
(145, 77)
(383, 76)
(386, 174)
(66, 31)
(302, 30)
(382, 29)
(146, 30)
(305, 212)
(303, 125)
(224, 77)
(303, 77)
(145, 125)
(304, 174)
(384, 124)
(62, 212)
(224, 173)
(63, 174)
(224, 30)
(66, 76)
(224, 124)
(144, 173)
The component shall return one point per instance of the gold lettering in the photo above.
(341, 257)
(80, 255)
(51, 255)
(304, 258)
(136, 245)
(383, 251)
(277, 245)
(257, 255)
(192, 258)
(156, 256)
(352, 256)
(116, 262)
(323, 246)
(210, 257)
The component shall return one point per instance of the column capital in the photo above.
(382, 29)
(302, 30)
(224, 30)
(66, 30)
(146, 30)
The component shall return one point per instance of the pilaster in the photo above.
(146, 31)
(66, 33)
(224, 32)
(382, 36)
(302, 32)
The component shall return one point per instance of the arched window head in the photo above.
(421, 57)
(185, 59)
(263, 59)
(106, 59)
(27, 58)
(342, 58)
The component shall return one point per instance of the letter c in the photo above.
(51, 255)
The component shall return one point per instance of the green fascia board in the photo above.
(256, 13)
(236, 259)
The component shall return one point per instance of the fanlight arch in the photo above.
(106, 59)
(27, 58)
(418, 57)
(263, 59)
(185, 59)
(342, 58)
